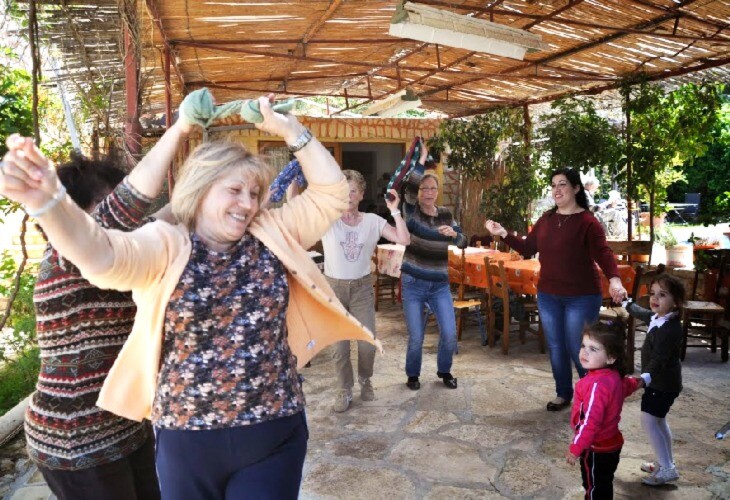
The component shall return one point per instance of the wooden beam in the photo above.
(132, 127)
(286, 41)
(681, 13)
(314, 28)
(154, 14)
(168, 116)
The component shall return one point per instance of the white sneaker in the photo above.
(342, 401)
(649, 467)
(663, 475)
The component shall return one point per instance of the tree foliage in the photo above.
(15, 101)
(667, 130)
(577, 137)
(510, 200)
(498, 178)
(475, 144)
(709, 175)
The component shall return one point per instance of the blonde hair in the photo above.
(206, 164)
(356, 177)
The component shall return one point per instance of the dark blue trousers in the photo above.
(260, 461)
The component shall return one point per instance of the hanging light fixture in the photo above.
(427, 24)
(395, 104)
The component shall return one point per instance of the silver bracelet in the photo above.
(57, 197)
(301, 141)
(393, 214)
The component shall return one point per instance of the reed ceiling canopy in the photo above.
(243, 48)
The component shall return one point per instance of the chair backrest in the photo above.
(480, 240)
(692, 198)
(629, 250)
(497, 285)
(456, 270)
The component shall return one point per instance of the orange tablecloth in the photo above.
(390, 258)
(522, 275)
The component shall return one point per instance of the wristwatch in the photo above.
(301, 141)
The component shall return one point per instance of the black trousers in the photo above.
(261, 461)
(597, 470)
(133, 477)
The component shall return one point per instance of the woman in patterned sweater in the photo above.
(226, 300)
(81, 450)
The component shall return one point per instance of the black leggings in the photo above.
(597, 470)
(130, 478)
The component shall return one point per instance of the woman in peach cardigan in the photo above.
(228, 303)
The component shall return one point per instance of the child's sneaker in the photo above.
(649, 467)
(663, 475)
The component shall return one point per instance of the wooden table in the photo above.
(522, 274)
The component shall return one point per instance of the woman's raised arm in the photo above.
(30, 179)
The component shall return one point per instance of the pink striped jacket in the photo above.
(597, 403)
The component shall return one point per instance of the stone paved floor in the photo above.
(490, 438)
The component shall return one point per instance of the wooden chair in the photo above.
(457, 276)
(704, 315)
(498, 287)
(626, 252)
(631, 251)
(386, 287)
(640, 295)
(497, 244)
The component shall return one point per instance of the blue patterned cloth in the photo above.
(292, 172)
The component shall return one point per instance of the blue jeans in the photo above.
(563, 319)
(416, 293)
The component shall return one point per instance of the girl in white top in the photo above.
(348, 248)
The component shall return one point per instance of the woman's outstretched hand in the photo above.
(27, 177)
(393, 200)
(284, 125)
(495, 228)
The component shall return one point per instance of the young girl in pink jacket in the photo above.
(597, 403)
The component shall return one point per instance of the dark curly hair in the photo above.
(573, 177)
(87, 180)
(673, 286)
(612, 336)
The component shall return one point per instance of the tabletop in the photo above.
(522, 274)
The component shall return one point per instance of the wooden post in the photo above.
(132, 127)
(628, 165)
(528, 139)
(168, 116)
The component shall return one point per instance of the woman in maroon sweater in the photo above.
(570, 241)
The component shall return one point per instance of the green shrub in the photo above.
(19, 355)
(18, 378)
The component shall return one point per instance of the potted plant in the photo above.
(706, 243)
(679, 254)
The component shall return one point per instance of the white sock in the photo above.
(667, 433)
(658, 438)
